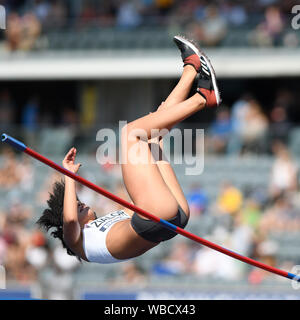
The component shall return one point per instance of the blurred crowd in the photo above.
(209, 22)
(247, 127)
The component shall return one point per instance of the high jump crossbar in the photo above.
(22, 147)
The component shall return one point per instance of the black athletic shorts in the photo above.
(154, 231)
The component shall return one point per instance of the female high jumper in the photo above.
(152, 185)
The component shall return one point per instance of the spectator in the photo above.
(164, 6)
(58, 283)
(239, 111)
(55, 15)
(30, 114)
(37, 251)
(30, 33)
(286, 99)
(128, 15)
(251, 213)
(284, 171)
(220, 132)
(8, 173)
(41, 10)
(238, 122)
(215, 265)
(253, 133)
(22, 32)
(131, 275)
(178, 262)
(13, 32)
(242, 235)
(280, 125)
(230, 199)
(269, 32)
(213, 27)
(279, 217)
(266, 253)
(235, 13)
(17, 239)
(26, 173)
(197, 200)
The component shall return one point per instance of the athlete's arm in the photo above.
(71, 226)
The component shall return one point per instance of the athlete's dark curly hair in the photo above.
(53, 216)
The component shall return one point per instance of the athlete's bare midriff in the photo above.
(124, 243)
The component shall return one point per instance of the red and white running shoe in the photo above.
(190, 54)
(207, 83)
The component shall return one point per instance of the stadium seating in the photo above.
(141, 38)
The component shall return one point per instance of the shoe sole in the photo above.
(200, 53)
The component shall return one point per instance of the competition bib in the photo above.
(105, 222)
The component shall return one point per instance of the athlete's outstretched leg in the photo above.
(143, 180)
(178, 94)
(191, 55)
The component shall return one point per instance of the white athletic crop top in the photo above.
(94, 237)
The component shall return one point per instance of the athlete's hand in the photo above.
(69, 161)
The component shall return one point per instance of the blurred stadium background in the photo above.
(70, 68)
